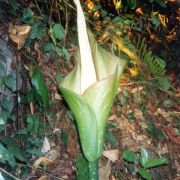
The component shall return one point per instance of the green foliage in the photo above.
(56, 32)
(5, 155)
(155, 162)
(38, 83)
(154, 131)
(64, 137)
(143, 173)
(123, 98)
(38, 31)
(82, 171)
(10, 82)
(164, 82)
(145, 162)
(27, 16)
(155, 21)
(110, 138)
(129, 156)
(14, 147)
(155, 65)
(32, 124)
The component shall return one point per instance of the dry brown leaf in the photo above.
(42, 161)
(150, 106)
(57, 97)
(19, 34)
(105, 171)
(138, 114)
(136, 89)
(43, 178)
(172, 134)
(139, 11)
(112, 118)
(112, 155)
(31, 106)
(162, 112)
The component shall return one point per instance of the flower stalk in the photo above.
(89, 89)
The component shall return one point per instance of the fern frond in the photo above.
(155, 64)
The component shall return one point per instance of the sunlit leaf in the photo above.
(144, 174)
(143, 156)
(155, 162)
(129, 156)
(5, 155)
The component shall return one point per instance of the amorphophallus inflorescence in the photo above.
(89, 89)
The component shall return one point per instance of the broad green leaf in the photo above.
(10, 82)
(58, 31)
(155, 162)
(144, 174)
(4, 116)
(5, 155)
(30, 95)
(33, 123)
(129, 156)
(7, 105)
(14, 148)
(38, 83)
(143, 156)
(27, 16)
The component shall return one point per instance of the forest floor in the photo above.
(142, 116)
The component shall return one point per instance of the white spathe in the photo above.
(88, 74)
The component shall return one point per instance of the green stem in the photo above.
(93, 170)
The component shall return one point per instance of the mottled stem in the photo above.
(93, 170)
